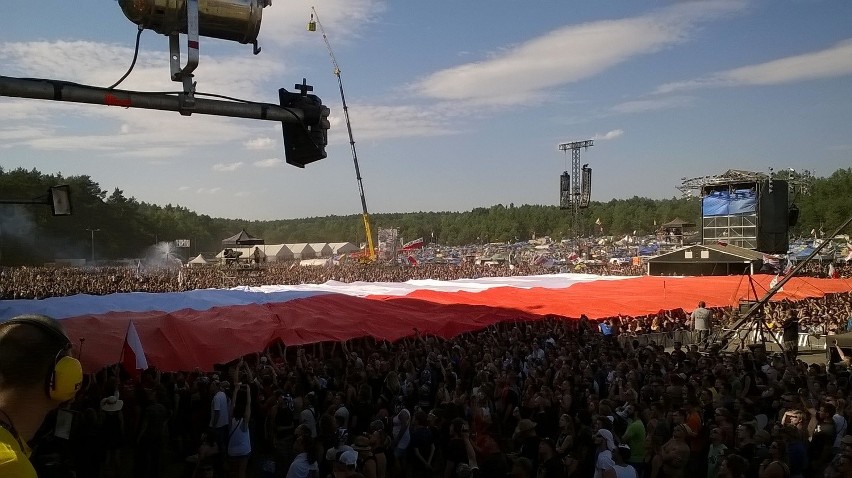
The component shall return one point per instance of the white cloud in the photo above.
(242, 194)
(268, 163)
(101, 64)
(656, 104)
(380, 122)
(135, 133)
(284, 23)
(829, 63)
(610, 135)
(22, 133)
(567, 55)
(260, 143)
(11, 109)
(184, 188)
(227, 167)
(209, 191)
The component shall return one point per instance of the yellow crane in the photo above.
(369, 254)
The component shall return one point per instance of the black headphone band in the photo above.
(41, 324)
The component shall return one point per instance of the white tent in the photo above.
(277, 252)
(343, 247)
(197, 261)
(322, 249)
(301, 251)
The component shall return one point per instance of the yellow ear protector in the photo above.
(66, 375)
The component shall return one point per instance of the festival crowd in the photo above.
(556, 397)
(43, 282)
(544, 399)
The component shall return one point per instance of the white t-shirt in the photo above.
(839, 428)
(625, 471)
(308, 417)
(604, 462)
(220, 403)
(701, 318)
(343, 412)
(239, 442)
(402, 433)
(300, 468)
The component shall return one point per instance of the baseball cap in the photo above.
(348, 458)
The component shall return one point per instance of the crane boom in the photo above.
(370, 252)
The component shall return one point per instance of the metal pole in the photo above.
(760, 303)
(45, 89)
(93, 231)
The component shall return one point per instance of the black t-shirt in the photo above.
(529, 449)
(791, 330)
(548, 422)
(456, 451)
(552, 468)
(421, 440)
(747, 451)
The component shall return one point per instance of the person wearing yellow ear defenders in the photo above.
(37, 374)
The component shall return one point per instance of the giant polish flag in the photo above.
(132, 354)
(201, 328)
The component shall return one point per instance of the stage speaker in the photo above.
(793, 217)
(773, 218)
(745, 305)
(565, 191)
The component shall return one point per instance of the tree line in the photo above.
(123, 227)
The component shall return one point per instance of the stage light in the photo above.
(234, 20)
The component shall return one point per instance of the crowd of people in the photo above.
(43, 282)
(815, 316)
(548, 398)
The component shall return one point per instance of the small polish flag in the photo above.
(132, 356)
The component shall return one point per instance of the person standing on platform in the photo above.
(701, 323)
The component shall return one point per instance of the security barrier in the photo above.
(808, 341)
(665, 339)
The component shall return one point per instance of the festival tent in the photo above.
(197, 261)
(200, 328)
(340, 248)
(241, 239)
(277, 252)
(321, 249)
(301, 251)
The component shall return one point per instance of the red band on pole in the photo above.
(112, 100)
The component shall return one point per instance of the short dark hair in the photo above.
(29, 345)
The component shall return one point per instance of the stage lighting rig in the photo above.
(303, 116)
(233, 20)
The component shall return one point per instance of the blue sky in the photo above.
(454, 105)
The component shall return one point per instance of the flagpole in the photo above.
(126, 332)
